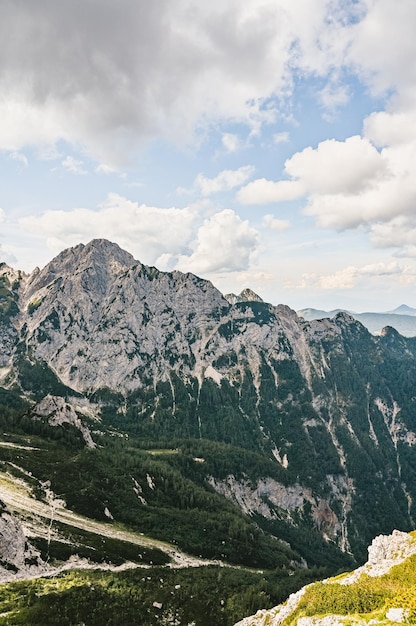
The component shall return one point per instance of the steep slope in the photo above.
(325, 409)
(383, 591)
(100, 319)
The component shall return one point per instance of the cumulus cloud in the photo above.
(391, 128)
(224, 181)
(348, 277)
(347, 167)
(224, 243)
(172, 238)
(109, 76)
(272, 223)
(7, 255)
(365, 181)
(231, 142)
(348, 183)
(73, 165)
(369, 188)
(334, 167)
(147, 231)
(400, 232)
(263, 191)
(391, 66)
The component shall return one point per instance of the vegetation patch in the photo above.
(202, 596)
(369, 597)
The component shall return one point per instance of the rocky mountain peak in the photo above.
(247, 295)
(12, 275)
(100, 258)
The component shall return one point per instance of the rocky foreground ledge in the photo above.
(385, 552)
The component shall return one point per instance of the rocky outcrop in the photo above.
(273, 500)
(56, 411)
(18, 559)
(385, 552)
(247, 295)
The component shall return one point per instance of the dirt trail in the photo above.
(16, 494)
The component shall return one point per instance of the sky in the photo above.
(268, 144)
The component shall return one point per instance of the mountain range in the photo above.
(233, 429)
(403, 319)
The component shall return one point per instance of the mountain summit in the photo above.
(316, 418)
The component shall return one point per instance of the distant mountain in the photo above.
(403, 309)
(403, 319)
(235, 431)
(247, 295)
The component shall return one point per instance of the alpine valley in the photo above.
(170, 455)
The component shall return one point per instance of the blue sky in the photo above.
(267, 144)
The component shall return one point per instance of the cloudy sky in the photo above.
(268, 144)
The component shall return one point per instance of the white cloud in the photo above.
(146, 231)
(391, 128)
(224, 181)
(172, 238)
(282, 137)
(383, 46)
(272, 223)
(342, 279)
(332, 97)
(6, 253)
(344, 168)
(400, 232)
(224, 243)
(263, 191)
(370, 188)
(19, 156)
(348, 183)
(349, 277)
(348, 166)
(107, 77)
(73, 165)
(7, 256)
(231, 142)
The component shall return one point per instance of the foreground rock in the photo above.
(18, 559)
(384, 553)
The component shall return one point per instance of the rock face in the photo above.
(385, 552)
(247, 295)
(329, 406)
(18, 559)
(58, 412)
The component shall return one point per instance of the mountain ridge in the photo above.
(403, 319)
(324, 407)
